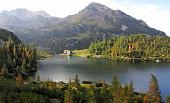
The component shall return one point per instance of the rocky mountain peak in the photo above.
(96, 8)
(24, 13)
(42, 13)
(97, 5)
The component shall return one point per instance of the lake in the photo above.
(61, 68)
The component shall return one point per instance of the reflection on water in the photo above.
(61, 68)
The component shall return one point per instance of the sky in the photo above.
(156, 13)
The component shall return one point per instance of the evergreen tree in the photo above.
(67, 97)
(10, 61)
(125, 95)
(38, 77)
(92, 48)
(4, 70)
(19, 80)
(17, 56)
(14, 51)
(9, 44)
(77, 82)
(153, 95)
(131, 93)
(105, 96)
(14, 62)
(116, 90)
(90, 95)
(24, 66)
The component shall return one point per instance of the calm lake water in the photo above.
(61, 68)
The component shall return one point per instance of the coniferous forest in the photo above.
(21, 91)
(140, 48)
(18, 60)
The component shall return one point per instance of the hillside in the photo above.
(134, 48)
(5, 34)
(95, 22)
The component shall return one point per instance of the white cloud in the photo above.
(154, 15)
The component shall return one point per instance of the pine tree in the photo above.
(14, 51)
(90, 95)
(128, 93)
(105, 95)
(14, 62)
(19, 80)
(76, 82)
(38, 77)
(4, 70)
(34, 54)
(116, 90)
(67, 97)
(153, 95)
(131, 92)
(10, 61)
(24, 64)
(92, 48)
(125, 95)
(34, 57)
(9, 44)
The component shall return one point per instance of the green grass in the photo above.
(81, 53)
(43, 54)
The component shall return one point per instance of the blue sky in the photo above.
(156, 13)
(163, 3)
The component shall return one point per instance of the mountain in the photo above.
(102, 18)
(23, 18)
(94, 22)
(5, 34)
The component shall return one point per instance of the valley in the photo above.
(106, 56)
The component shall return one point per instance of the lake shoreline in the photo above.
(61, 68)
(143, 60)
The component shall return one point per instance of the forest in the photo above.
(20, 91)
(17, 59)
(139, 47)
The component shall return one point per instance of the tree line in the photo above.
(139, 47)
(75, 92)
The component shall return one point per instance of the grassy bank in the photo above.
(81, 53)
(43, 54)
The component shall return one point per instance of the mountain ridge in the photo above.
(94, 22)
(98, 15)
